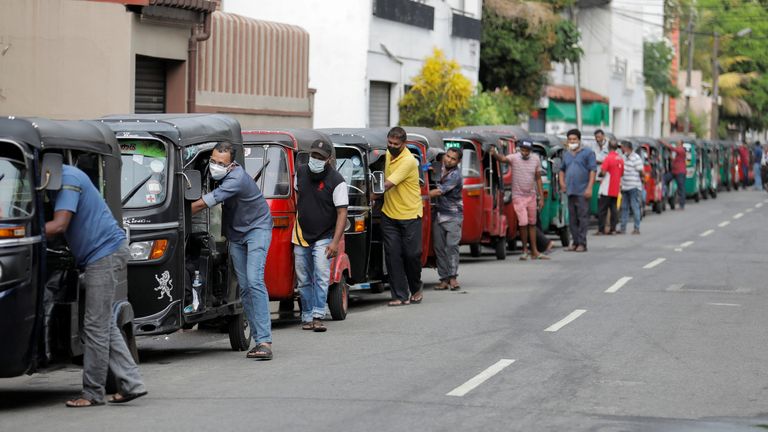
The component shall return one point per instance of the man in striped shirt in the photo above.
(631, 187)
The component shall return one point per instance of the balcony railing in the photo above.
(406, 12)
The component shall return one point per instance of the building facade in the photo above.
(364, 53)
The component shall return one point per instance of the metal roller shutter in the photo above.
(150, 85)
(378, 108)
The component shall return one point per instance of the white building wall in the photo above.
(338, 45)
(346, 50)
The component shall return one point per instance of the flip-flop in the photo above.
(263, 348)
(318, 326)
(417, 301)
(396, 303)
(524, 257)
(456, 288)
(441, 287)
(126, 397)
(91, 403)
(540, 257)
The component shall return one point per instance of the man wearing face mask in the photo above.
(579, 167)
(678, 170)
(446, 225)
(320, 220)
(401, 220)
(248, 223)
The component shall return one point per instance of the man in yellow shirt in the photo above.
(401, 221)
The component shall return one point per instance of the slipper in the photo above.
(524, 257)
(126, 397)
(309, 325)
(73, 403)
(419, 299)
(441, 287)
(262, 351)
(540, 257)
(318, 326)
(396, 303)
(456, 288)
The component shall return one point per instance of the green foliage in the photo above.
(657, 58)
(496, 108)
(566, 46)
(699, 124)
(439, 97)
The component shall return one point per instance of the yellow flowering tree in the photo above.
(439, 97)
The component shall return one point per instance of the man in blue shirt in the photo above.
(757, 154)
(100, 248)
(248, 223)
(577, 177)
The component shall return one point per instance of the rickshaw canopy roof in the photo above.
(486, 140)
(429, 137)
(498, 131)
(296, 139)
(652, 142)
(373, 141)
(84, 135)
(181, 129)
(553, 143)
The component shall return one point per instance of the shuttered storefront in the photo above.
(150, 85)
(378, 105)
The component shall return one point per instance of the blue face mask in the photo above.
(316, 165)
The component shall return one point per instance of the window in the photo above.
(144, 176)
(15, 185)
(470, 164)
(349, 163)
(275, 179)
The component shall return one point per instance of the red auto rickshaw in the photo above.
(271, 157)
(485, 223)
(653, 174)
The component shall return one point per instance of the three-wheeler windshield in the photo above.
(274, 179)
(15, 185)
(144, 176)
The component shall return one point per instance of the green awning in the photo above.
(594, 113)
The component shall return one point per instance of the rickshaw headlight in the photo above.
(140, 250)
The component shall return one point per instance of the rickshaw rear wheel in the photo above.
(239, 332)
(474, 250)
(501, 248)
(713, 193)
(656, 207)
(287, 306)
(565, 236)
(697, 197)
(338, 299)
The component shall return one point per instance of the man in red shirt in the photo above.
(678, 170)
(610, 188)
(744, 168)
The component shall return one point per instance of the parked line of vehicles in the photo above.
(150, 168)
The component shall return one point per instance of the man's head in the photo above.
(599, 135)
(320, 150)
(626, 147)
(396, 140)
(574, 139)
(223, 154)
(525, 148)
(452, 158)
(613, 145)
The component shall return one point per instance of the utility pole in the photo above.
(688, 74)
(715, 88)
(577, 80)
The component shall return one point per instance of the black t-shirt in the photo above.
(317, 204)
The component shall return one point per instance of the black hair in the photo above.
(226, 147)
(574, 132)
(599, 131)
(397, 133)
(456, 150)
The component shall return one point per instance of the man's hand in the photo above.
(541, 202)
(332, 250)
(588, 193)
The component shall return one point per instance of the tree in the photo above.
(439, 97)
(657, 58)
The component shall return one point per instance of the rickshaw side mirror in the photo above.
(50, 172)
(193, 185)
(378, 182)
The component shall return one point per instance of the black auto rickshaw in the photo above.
(41, 298)
(179, 272)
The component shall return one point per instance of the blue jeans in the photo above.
(758, 178)
(313, 272)
(630, 198)
(249, 256)
(680, 180)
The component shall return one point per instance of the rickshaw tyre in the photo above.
(697, 197)
(501, 248)
(287, 306)
(713, 193)
(512, 244)
(238, 339)
(474, 250)
(565, 237)
(338, 299)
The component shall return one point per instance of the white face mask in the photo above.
(217, 172)
(316, 165)
(573, 146)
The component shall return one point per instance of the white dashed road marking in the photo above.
(565, 321)
(738, 215)
(758, 205)
(724, 224)
(724, 304)
(686, 244)
(706, 233)
(654, 263)
(749, 210)
(480, 378)
(619, 283)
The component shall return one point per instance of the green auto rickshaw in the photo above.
(693, 168)
(554, 215)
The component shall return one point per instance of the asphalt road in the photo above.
(526, 346)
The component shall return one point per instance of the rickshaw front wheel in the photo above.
(338, 299)
(501, 248)
(474, 250)
(239, 332)
(565, 236)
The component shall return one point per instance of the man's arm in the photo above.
(588, 192)
(500, 158)
(539, 190)
(59, 223)
(198, 206)
(341, 221)
(227, 189)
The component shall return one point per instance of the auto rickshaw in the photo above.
(724, 164)
(272, 157)
(693, 165)
(41, 298)
(651, 151)
(485, 223)
(554, 214)
(179, 273)
(710, 179)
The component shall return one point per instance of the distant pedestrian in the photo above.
(320, 220)
(756, 165)
(101, 249)
(612, 169)
(248, 224)
(579, 167)
(527, 194)
(764, 167)
(678, 170)
(446, 226)
(744, 164)
(401, 220)
(602, 146)
(631, 187)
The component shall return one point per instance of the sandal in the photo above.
(395, 303)
(262, 351)
(118, 398)
(524, 256)
(540, 257)
(318, 326)
(82, 402)
(571, 248)
(456, 288)
(442, 287)
(417, 298)
(309, 325)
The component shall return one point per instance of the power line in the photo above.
(634, 18)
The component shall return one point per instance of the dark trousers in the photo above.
(402, 248)
(605, 203)
(680, 180)
(745, 176)
(578, 210)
